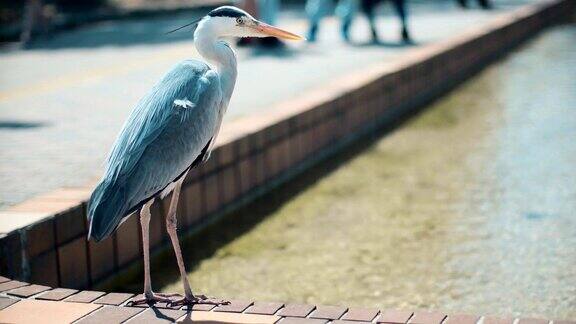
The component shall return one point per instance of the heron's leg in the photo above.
(171, 225)
(149, 295)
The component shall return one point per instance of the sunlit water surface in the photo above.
(469, 207)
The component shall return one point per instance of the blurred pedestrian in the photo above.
(485, 4)
(317, 9)
(368, 7)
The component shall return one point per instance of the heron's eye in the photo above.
(239, 21)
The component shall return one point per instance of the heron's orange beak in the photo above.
(276, 32)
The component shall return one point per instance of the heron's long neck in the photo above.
(219, 54)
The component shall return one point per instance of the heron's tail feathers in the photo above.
(106, 209)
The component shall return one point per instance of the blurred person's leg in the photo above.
(400, 6)
(485, 4)
(315, 10)
(346, 10)
(368, 7)
(268, 10)
(463, 3)
(31, 19)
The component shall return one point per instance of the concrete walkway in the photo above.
(63, 102)
(21, 302)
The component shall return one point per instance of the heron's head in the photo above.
(228, 21)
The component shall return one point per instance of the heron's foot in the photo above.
(153, 298)
(198, 299)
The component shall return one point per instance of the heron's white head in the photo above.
(228, 21)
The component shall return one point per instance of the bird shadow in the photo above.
(189, 318)
(164, 315)
(160, 313)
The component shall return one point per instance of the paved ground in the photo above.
(21, 302)
(63, 102)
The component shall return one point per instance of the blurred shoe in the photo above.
(375, 38)
(463, 3)
(312, 33)
(406, 36)
(485, 4)
(345, 31)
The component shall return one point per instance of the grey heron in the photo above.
(171, 130)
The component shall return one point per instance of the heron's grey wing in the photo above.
(183, 85)
(184, 140)
(163, 135)
(208, 149)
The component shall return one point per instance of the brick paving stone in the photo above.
(360, 314)
(421, 317)
(264, 308)
(199, 307)
(235, 306)
(85, 296)
(101, 255)
(496, 320)
(45, 312)
(296, 310)
(564, 322)
(57, 294)
(296, 320)
(533, 321)
(27, 291)
(40, 237)
(328, 312)
(70, 224)
(462, 319)
(157, 315)
(394, 317)
(223, 317)
(44, 269)
(110, 314)
(128, 242)
(349, 322)
(115, 299)
(5, 302)
(3, 279)
(8, 285)
(73, 264)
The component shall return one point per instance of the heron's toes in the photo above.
(198, 299)
(169, 295)
(152, 299)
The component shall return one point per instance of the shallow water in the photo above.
(469, 207)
